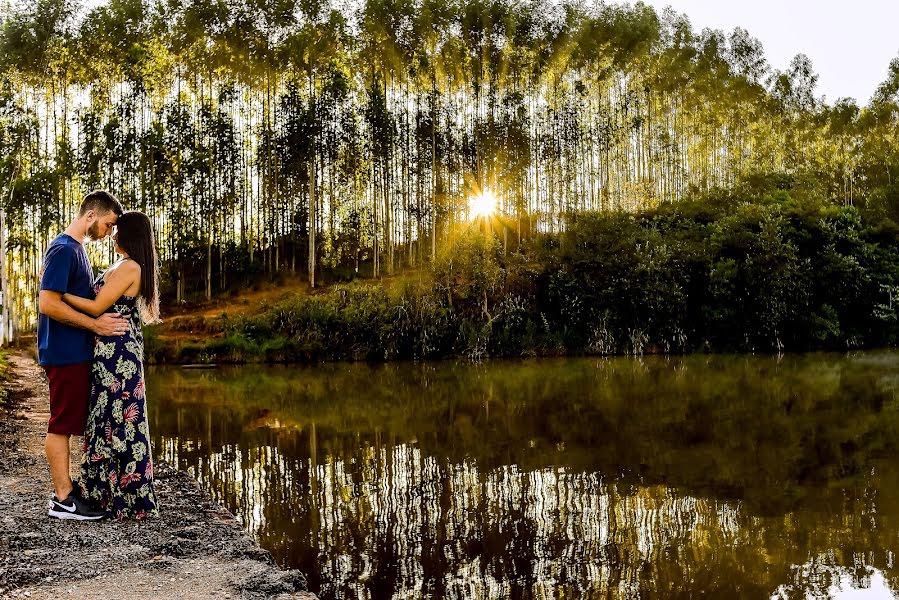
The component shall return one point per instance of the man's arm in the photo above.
(51, 304)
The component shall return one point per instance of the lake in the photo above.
(729, 476)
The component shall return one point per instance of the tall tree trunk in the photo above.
(312, 217)
(209, 263)
(5, 325)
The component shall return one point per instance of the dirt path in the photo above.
(195, 549)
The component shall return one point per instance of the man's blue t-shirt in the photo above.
(66, 270)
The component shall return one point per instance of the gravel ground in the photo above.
(195, 549)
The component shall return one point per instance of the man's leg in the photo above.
(63, 506)
(69, 391)
(56, 446)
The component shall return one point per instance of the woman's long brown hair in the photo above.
(135, 236)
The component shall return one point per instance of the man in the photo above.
(66, 344)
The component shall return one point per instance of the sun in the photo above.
(483, 204)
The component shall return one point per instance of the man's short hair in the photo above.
(101, 202)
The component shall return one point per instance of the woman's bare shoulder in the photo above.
(131, 266)
(126, 268)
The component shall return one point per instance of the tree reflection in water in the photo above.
(574, 478)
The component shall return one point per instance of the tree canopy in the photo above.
(301, 134)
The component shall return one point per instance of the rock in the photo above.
(186, 533)
(272, 583)
(171, 548)
(256, 553)
(161, 564)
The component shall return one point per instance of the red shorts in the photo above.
(70, 390)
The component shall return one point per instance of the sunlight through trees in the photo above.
(273, 136)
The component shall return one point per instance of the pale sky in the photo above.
(849, 43)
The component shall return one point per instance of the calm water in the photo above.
(727, 476)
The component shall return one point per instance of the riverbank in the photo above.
(745, 274)
(196, 549)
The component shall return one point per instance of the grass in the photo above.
(769, 275)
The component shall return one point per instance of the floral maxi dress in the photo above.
(117, 465)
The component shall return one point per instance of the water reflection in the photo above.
(576, 478)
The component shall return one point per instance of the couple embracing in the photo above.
(91, 346)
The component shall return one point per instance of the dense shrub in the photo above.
(777, 273)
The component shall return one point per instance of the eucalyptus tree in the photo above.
(195, 40)
(127, 68)
(836, 156)
(316, 55)
(17, 133)
(431, 30)
(748, 68)
(291, 128)
(878, 166)
(384, 57)
(793, 97)
(884, 135)
(240, 73)
(35, 65)
(267, 24)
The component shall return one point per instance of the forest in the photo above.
(649, 187)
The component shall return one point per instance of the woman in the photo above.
(117, 466)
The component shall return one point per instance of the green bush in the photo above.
(780, 272)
